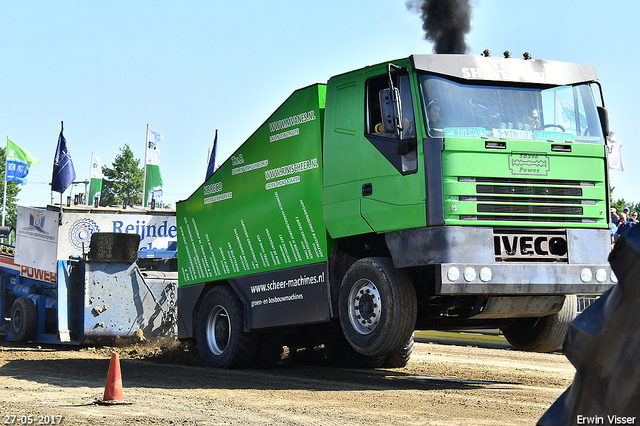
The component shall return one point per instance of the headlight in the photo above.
(453, 274)
(601, 275)
(485, 274)
(469, 274)
(586, 275)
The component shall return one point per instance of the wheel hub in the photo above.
(364, 306)
(218, 330)
(17, 320)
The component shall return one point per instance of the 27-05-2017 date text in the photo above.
(31, 419)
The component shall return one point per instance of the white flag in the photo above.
(614, 147)
(152, 175)
(153, 153)
(96, 167)
(95, 185)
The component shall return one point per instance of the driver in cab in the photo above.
(535, 120)
(433, 118)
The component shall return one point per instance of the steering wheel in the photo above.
(553, 125)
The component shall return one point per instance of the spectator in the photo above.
(634, 218)
(623, 226)
(614, 216)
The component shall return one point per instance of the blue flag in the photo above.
(212, 159)
(63, 172)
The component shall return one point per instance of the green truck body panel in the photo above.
(261, 211)
(267, 200)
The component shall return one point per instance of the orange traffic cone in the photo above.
(113, 390)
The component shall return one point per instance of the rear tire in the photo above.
(24, 319)
(222, 341)
(270, 350)
(377, 307)
(543, 334)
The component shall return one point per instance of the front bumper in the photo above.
(523, 279)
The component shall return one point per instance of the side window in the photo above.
(386, 141)
(572, 109)
(374, 113)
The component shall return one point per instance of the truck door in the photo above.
(392, 191)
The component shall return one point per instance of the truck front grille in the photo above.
(529, 190)
(526, 200)
(528, 209)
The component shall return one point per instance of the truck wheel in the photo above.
(24, 319)
(222, 341)
(543, 334)
(270, 351)
(395, 359)
(377, 307)
(400, 358)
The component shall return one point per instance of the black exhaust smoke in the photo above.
(445, 22)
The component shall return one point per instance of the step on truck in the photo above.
(431, 192)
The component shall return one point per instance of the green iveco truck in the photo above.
(430, 192)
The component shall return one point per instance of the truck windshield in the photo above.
(561, 113)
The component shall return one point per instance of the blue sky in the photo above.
(107, 68)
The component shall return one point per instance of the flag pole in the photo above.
(4, 198)
(60, 216)
(555, 108)
(144, 176)
(86, 190)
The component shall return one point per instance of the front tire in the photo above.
(400, 358)
(222, 341)
(396, 359)
(543, 334)
(377, 307)
(24, 319)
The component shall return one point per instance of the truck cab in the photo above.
(491, 193)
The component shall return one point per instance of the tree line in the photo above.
(123, 180)
(620, 204)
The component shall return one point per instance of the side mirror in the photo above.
(391, 110)
(604, 120)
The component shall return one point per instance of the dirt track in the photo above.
(441, 385)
